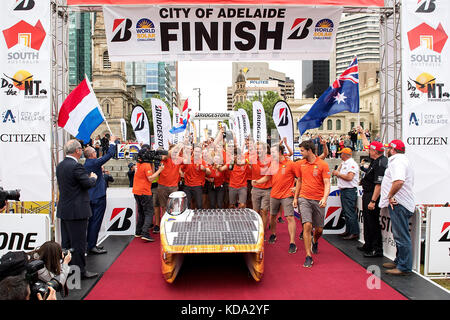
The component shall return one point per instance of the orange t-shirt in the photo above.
(283, 180)
(260, 170)
(170, 176)
(193, 175)
(141, 185)
(218, 176)
(312, 175)
(238, 176)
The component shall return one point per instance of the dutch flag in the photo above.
(80, 113)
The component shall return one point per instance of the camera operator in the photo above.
(18, 288)
(51, 254)
(142, 190)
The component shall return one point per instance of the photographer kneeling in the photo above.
(18, 288)
(51, 254)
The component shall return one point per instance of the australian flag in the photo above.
(342, 95)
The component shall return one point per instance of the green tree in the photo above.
(268, 101)
(147, 105)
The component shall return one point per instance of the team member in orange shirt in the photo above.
(142, 190)
(283, 179)
(194, 173)
(216, 192)
(168, 181)
(238, 181)
(261, 182)
(313, 186)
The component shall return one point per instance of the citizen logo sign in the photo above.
(427, 141)
(22, 137)
(159, 127)
(258, 125)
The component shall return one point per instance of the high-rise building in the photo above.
(290, 88)
(151, 78)
(80, 47)
(315, 77)
(358, 34)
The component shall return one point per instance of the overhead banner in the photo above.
(259, 122)
(365, 3)
(219, 32)
(161, 124)
(25, 123)
(426, 96)
(282, 117)
(141, 127)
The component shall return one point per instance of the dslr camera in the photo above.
(8, 195)
(37, 285)
(146, 155)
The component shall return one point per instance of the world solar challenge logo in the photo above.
(323, 30)
(145, 30)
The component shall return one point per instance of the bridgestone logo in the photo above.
(258, 125)
(159, 131)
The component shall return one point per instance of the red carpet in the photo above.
(136, 275)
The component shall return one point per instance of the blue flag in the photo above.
(342, 95)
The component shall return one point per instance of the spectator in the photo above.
(104, 142)
(348, 180)
(107, 176)
(18, 288)
(51, 254)
(398, 196)
(130, 173)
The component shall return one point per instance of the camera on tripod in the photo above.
(8, 195)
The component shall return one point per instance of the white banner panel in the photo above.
(161, 124)
(141, 127)
(23, 232)
(245, 123)
(120, 214)
(123, 129)
(426, 96)
(259, 122)
(438, 240)
(218, 32)
(25, 124)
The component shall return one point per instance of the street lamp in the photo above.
(199, 125)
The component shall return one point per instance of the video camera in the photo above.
(150, 156)
(8, 195)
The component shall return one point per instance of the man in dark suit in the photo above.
(73, 206)
(97, 194)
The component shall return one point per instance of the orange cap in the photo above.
(346, 151)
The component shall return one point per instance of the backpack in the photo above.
(13, 263)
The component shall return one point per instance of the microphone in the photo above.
(335, 167)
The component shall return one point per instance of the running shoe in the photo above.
(156, 229)
(292, 248)
(272, 238)
(308, 262)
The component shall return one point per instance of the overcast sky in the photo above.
(213, 78)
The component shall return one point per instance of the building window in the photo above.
(106, 62)
(352, 125)
(330, 124)
(338, 124)
(361, 124)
